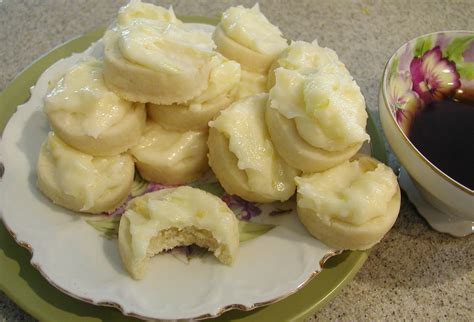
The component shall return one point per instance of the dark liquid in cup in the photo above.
(444, 133)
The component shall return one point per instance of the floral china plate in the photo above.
(79, 254)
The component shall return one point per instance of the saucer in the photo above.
(437, 219)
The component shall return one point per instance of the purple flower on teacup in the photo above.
(442, 40)
(403, 101)
(468, 54)
(433, 76)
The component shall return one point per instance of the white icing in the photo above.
(348, 192)
(326, 105)
(250, 28)
(164, 147)
(223, 77)
(251, 83)
(83, 176)
(243, 123)
(301, 55)
(136, 10)
(82, 93)
(165, 47)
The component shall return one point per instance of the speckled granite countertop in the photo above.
(415, 273)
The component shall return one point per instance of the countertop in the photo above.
(415, 273)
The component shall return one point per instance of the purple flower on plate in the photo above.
(152, 186)
(244, 209)
(119, 210)
(140, 187)
(403, 101)
(279, 212)
(433, 76)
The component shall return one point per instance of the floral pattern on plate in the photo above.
(75, 257)
(108, 223)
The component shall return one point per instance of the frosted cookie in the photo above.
(136, 10)
(351, 206)
(251, 84)
(316, 120)
(304, 55)
(170, 157)
(242, 156)
(86, 115)
(146, 227)
(246, 36)
(159, 62)
(195, 114)
(81, 182)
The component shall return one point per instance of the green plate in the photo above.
(24, 284)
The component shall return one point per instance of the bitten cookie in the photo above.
(146, 227)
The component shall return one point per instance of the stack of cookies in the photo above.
(269, 118)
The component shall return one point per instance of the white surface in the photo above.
(438, 220)
(75, 258)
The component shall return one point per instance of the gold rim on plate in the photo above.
(22, 81)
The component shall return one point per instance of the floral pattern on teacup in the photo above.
(434, 77)
(432, 67)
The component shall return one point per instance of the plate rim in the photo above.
(9, 100)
